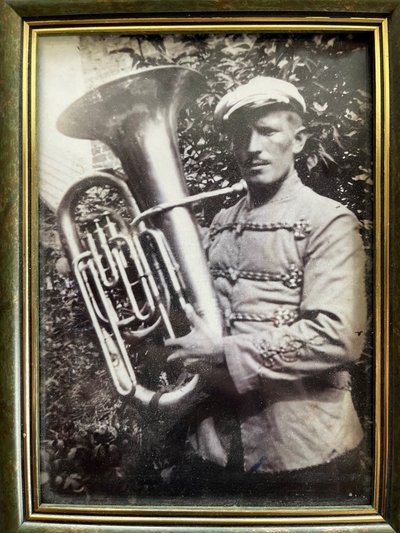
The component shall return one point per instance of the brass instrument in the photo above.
(154, 256)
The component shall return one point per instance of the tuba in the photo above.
(138, 271)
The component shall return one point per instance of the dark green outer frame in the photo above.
(11, 16)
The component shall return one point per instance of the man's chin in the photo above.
(260, 179)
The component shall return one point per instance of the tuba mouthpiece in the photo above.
(240, 187)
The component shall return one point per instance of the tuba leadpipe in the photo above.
(136, 117)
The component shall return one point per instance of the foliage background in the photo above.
(96, 444)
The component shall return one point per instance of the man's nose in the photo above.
(254, 144)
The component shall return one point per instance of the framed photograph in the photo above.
(200, 267)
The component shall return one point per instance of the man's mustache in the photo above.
(251, 162)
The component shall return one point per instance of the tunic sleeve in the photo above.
(331, 327)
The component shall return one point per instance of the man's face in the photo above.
(265, 145)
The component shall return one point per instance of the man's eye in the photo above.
(266, 132)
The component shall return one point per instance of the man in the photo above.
(288, 266)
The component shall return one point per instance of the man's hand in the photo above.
(201, 349)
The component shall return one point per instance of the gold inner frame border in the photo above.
(378, 28)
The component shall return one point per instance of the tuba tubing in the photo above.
(136, 116)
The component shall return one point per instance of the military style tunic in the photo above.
(290, 280)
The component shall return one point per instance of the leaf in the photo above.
(336, 137)
(149, 50)
(225, 77)
(320, 108)
(270, 49)
(119, 473)
(360, 177)
(323, 154)
(283, 62)
(176, 48)
(72, 453)
(317, 40)
(235, 49)
(351, 115)
(74, 483)
(44, 478)
(214, 40)
(367, 224)
(129, 51)
(312, 161)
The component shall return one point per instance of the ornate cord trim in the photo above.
(300, 229)
(292, 279)
(289, 351)
(280, 317)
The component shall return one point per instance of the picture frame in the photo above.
(22, 22)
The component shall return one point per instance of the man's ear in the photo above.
(300, 139)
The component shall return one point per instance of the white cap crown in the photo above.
(259, 92)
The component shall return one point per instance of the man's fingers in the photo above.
(193, 317)
(179, 341)
(171, 342)
(176, 356)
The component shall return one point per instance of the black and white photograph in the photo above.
(206, 257)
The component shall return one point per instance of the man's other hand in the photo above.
(200, 350)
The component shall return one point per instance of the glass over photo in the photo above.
(206, 260)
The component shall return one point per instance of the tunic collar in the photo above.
(288, 189)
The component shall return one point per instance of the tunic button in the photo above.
(239, 228)
(233, 275)
(228, 319)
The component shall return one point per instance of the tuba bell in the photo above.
(136, 270)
